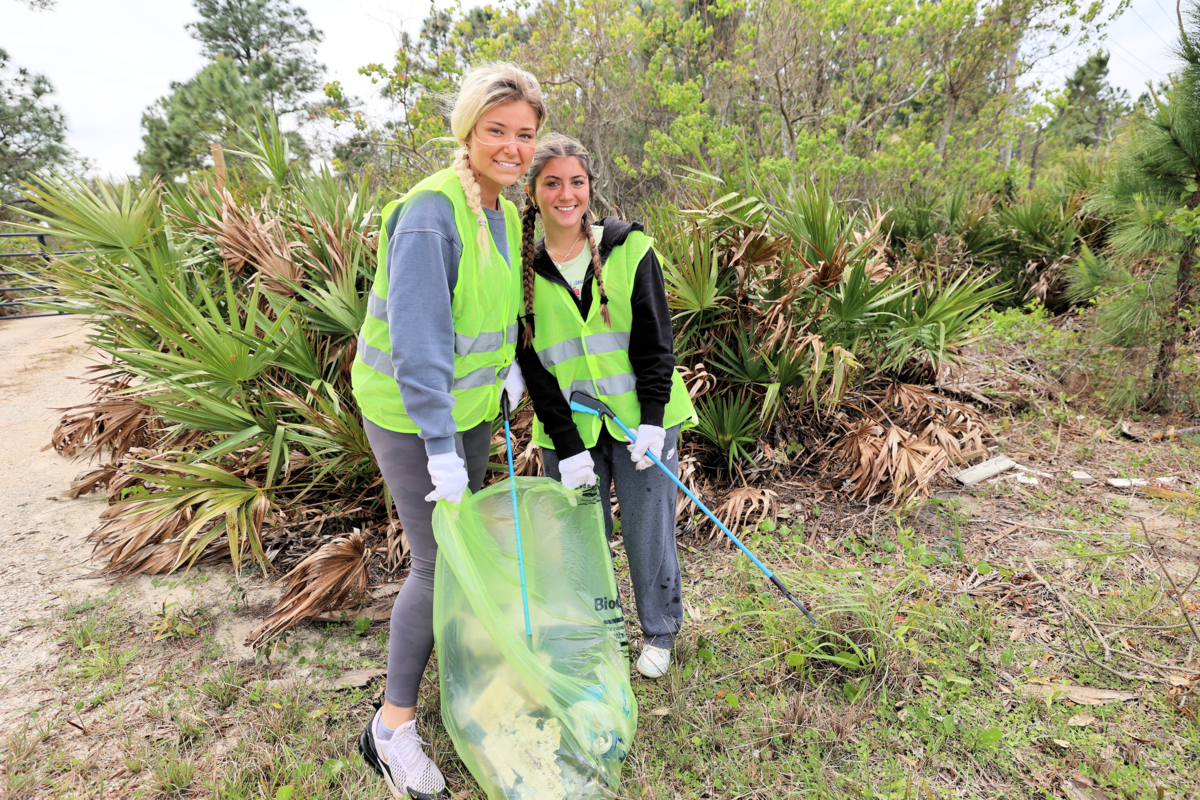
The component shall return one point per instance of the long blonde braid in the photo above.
(528, 275)
(597, 266)
(471, 187)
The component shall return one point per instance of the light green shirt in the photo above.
(573, 271)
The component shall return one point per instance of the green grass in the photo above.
(909, 686)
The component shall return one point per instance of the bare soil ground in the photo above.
(1011, 639)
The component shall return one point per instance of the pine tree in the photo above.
(1153, 191)
(211, 107)
(33, 130)
(1093, 105)
(271, 41)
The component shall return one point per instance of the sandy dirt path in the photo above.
(42, 547)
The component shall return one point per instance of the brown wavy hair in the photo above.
(550, 148)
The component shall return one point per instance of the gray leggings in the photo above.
(647, 499)
(402, 460)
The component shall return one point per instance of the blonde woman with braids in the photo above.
(596, 320)
(434, 355)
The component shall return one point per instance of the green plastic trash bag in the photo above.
(552, 716)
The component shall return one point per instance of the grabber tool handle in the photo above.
(589, 405)
(512, 482)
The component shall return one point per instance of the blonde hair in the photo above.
(557, 146)
(484, 87)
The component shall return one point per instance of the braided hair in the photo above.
(484, 87)
(551, 148)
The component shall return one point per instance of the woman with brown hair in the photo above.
(596, 320)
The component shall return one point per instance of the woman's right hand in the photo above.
(449, 474)
(578, 470)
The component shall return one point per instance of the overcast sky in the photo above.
(108, 61)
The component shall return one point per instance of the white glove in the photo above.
(514, 386)
(650, 439)
(449, 475)
(578, 470)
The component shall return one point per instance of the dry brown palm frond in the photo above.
(890, 459)
(917, 405)
(528, 462)
(107, 422)
(697, 380)
(127, 535)
(92, 480)
(745, 501)
(862, 450)
(246, 238)
(332, 578)
(396, 544)
(158, 559)
(955, 427)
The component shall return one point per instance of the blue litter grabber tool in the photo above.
(512, 477)
(589, 405)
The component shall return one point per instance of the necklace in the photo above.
(569, 249)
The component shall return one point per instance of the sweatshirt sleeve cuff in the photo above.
(652, 413)
(444, 444)
(570, 443)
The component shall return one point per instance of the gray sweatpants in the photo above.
(402, 460)
(647, 501)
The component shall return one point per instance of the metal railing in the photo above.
(44, 253)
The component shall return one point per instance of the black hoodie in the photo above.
(651, 348)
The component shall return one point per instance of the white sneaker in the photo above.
(401, 762)
(654, 661)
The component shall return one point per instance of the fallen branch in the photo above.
(1068, 607)
(1178, 595)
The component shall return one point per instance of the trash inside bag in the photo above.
(550, 716)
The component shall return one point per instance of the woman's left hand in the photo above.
(513, 388)
(650, 439)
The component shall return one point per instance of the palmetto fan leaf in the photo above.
(120, 220)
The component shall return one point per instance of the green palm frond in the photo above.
(115, 220)
(732, 424)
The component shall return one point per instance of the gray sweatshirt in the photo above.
(422, 264)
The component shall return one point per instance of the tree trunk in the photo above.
(1099, 129)
(951, 106)
(1183, 296)
(1006, 152)
(1033, 162)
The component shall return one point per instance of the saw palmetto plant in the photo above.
(227, 320)
(802, 320)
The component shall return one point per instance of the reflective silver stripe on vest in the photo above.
(609, 387)
(375, 358)
(381, 362)
(484, 376)
(377, 306)
(463, 345)
(484, 342)
(597, 343)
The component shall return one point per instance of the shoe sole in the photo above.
(366, 746)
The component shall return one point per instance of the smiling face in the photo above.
(562, 192)
(502, 145)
